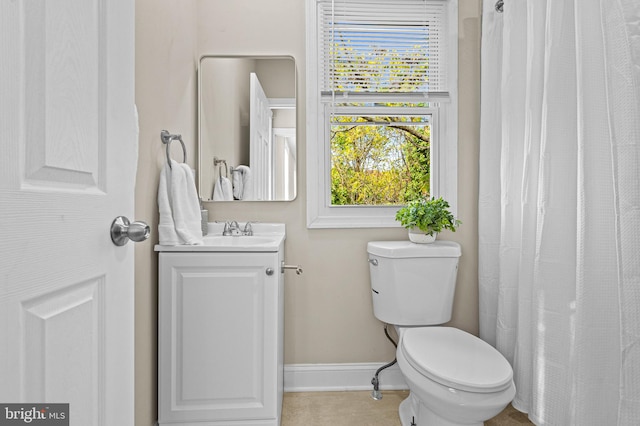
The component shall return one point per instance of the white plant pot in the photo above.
(418, 236)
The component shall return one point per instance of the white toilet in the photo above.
(454, 377)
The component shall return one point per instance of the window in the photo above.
(381, 108)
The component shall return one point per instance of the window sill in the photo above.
(353, 217)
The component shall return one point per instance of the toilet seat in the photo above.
(456, 359)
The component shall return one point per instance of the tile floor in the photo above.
(359, 409)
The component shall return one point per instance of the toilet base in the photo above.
(412, 413)
(406, 413)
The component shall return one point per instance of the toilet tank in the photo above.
(413, 284)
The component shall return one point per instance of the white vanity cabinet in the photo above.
(220, 338)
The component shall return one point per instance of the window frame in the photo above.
(444, 136)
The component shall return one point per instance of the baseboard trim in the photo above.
(340, 377)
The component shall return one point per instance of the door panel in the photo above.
(67, 169)
(63, 70)
(64, 348)
(260, 151)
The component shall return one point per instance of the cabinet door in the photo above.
(218, 336)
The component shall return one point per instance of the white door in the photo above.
(68, 155)
(260, 152)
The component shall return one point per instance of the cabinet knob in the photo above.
(269, 271)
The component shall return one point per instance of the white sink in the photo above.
(267, 237)
(239, 241)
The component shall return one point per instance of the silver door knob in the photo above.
(122, 231)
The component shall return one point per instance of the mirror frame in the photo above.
(200, 119)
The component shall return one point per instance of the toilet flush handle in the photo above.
(374, 262)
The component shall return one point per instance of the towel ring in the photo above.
(216, 162)
(167, 138)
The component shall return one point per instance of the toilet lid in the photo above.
(456, 359)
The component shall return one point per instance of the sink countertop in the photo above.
(267, 237)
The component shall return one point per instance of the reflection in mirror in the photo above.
(247, 128)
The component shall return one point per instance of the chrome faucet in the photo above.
(231, 228)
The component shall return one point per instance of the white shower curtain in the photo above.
(559, 208)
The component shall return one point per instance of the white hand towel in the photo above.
(237, 183)
(180, 219)
(222, 190)
(242, 183)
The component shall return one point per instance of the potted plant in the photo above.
(425, 217)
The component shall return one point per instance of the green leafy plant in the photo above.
(428, 215)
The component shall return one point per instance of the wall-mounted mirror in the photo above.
(247, 128)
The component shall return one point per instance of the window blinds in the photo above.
(387, 47)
